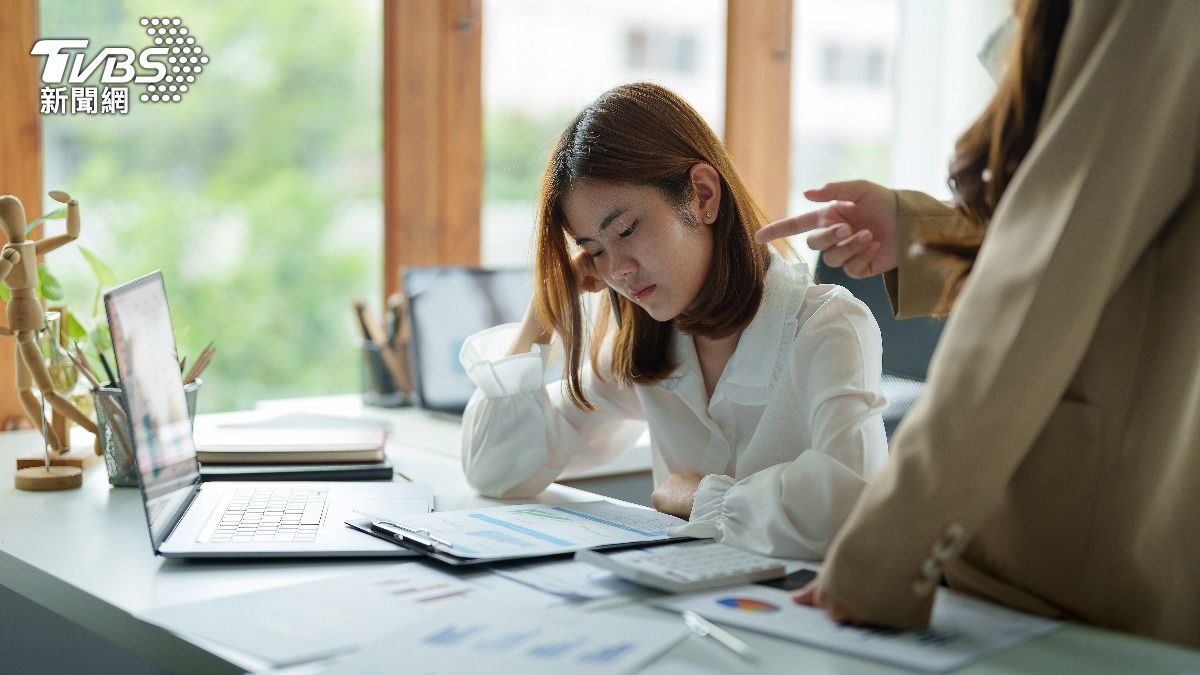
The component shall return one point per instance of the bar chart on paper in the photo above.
(538, 529)
(494, 639)
(300, 623)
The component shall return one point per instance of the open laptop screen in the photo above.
(445, 306)
(144, 345)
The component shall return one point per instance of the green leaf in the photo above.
(75, 329)
(103, 272)
(101, 338)
(56, 214)
(48, 285)
(5, 294)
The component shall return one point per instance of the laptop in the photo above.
(446, 305)
(190, 518)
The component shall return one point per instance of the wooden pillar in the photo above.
(20, 153)
(433, 134)
(758, 71)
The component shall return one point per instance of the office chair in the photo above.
(907, 344)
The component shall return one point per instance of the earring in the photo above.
(708, 215)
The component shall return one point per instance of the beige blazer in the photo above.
(1053, 462)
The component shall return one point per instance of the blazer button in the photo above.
(943, 552)
(922, 587)
(931, 570)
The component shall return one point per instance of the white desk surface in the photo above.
(85, 555)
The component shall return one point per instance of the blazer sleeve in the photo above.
(1115, 155)
(916, 285)
(794, 509)
(519, 434)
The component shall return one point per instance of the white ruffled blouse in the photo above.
(785, 445)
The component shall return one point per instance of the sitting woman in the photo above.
(760, 390)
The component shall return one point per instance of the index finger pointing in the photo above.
(788, 226)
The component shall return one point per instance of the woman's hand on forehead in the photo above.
(585, 273)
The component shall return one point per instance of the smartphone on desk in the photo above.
(792, 582)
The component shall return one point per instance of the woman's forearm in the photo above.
(529, 334)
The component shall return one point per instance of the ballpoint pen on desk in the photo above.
(705, 628)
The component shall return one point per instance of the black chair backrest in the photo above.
(907, 344)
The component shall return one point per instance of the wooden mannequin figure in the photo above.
(18, 270)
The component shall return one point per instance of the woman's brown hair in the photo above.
(643, 134)
(987, 155)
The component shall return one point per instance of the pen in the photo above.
(429, 542)
(705, 628)
(393, 319)
(112, 379)
(613, 300)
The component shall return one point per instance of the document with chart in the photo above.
(962, 630)
(523, 531)
(492, 638)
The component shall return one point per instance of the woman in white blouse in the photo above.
(760, 390)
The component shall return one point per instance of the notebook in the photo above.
(477, 298)
(239, 445)
(370, 471)
(188, 517)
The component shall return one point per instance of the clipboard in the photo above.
(570, 528)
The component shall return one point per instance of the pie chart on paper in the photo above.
(747, 605)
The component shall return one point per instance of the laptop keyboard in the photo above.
(268, 514)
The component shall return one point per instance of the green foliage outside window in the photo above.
(258, 195)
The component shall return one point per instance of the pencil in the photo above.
(85, 371)
(201, 363)
(395, 367)
(84, 360)
(360, 309)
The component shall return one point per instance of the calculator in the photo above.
(686, 567)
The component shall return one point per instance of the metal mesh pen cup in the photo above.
(379, 389)
(116, 439)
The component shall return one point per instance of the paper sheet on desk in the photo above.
(493, 638)
(314, 620)
(961, 631)
(571, 579)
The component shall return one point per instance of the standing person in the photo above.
(1053, 461)
(760, 390)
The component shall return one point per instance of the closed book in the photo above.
(373, 471)
(223, 445)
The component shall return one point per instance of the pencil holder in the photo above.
(116, 438)
(378, 387)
